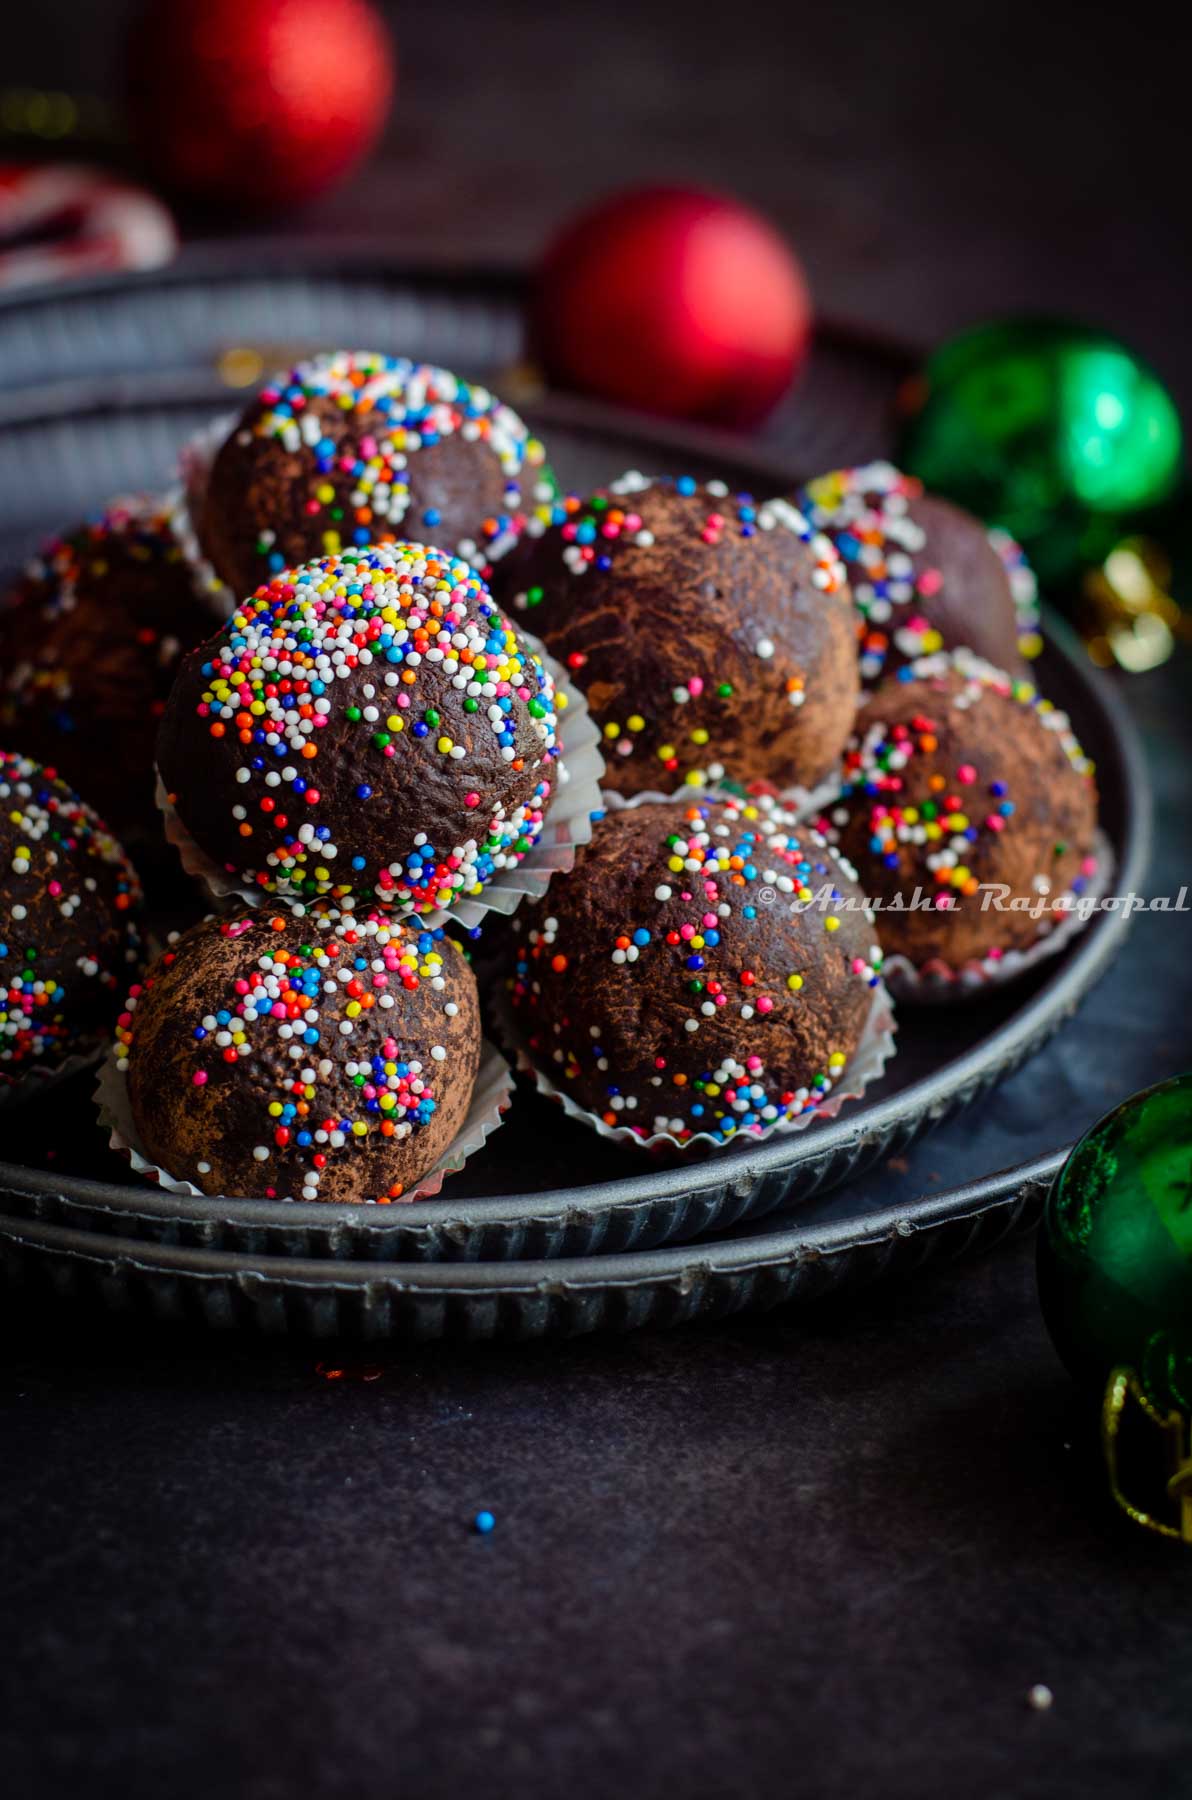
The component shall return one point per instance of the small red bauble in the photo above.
(257, 103)
(674, 301)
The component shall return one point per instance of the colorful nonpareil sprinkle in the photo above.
(359, 491)
(395, 664)
(69, 900)
(737, 919)
(688, 718)
(313, 1027)
(866, 512)
(938, 834)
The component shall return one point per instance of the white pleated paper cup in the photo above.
(938, 983)
(865, 1066)
(576, 800)
(491, 1099)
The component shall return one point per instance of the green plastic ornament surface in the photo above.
(1053, 431)
(1115, 1250)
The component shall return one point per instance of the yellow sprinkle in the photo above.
(666, 751)
(832, 924)
(794, 982)
(699, 735)
(636, 722)
(612, 731)
(359, 1128)
(352, 1009)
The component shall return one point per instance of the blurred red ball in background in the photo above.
(257, 103)
(673, 301)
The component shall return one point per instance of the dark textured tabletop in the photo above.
(820, 1554)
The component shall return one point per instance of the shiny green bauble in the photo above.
(1051, 430)
(1115, 1250)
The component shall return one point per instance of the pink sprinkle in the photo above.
(930, 582)
(200, 1077)
(471, 799)
(765, 1004)
(966, 774)
(695, 686)
(687, 931)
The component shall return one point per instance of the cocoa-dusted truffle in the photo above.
(325, 1056)
(354, 448)
(924, 574)
(711, 634)
(705, 968)
(90, 641)
(367, 724)
(69, 905)
(958, 779)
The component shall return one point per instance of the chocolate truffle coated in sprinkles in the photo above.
(367, 724)
(317, 1055)
(90, 642)
(354, 448)
(69, 906)
(925, 575)
(697, 972)
(958, 778)
(712, 634)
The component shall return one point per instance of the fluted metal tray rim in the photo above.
(671, 1285)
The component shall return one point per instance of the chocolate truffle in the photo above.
(924, 574)
(706, 967)
(353, 448)
(90, 641)
(958, 779)
(325, 1056)
(368, 724)
(69, 905)
(711, 634)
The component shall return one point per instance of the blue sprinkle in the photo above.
(484, 1522)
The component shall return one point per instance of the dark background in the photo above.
(820, 1554)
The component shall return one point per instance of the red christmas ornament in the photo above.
(673, 301)
(258, 103)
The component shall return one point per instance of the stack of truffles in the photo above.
(389, 692)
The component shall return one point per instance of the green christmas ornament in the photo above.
(1051, 430)
(1115, 1278)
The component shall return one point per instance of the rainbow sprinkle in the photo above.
(359, 490)
(289, 663)
(673, 725)
(297, 1007)
(56, 997)
(865, 511)
(726, 859)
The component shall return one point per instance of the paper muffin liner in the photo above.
(37, 1079)
(937, 983)
(867, 1064)
(577, 797)
(185, 503)
(491, 1099)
